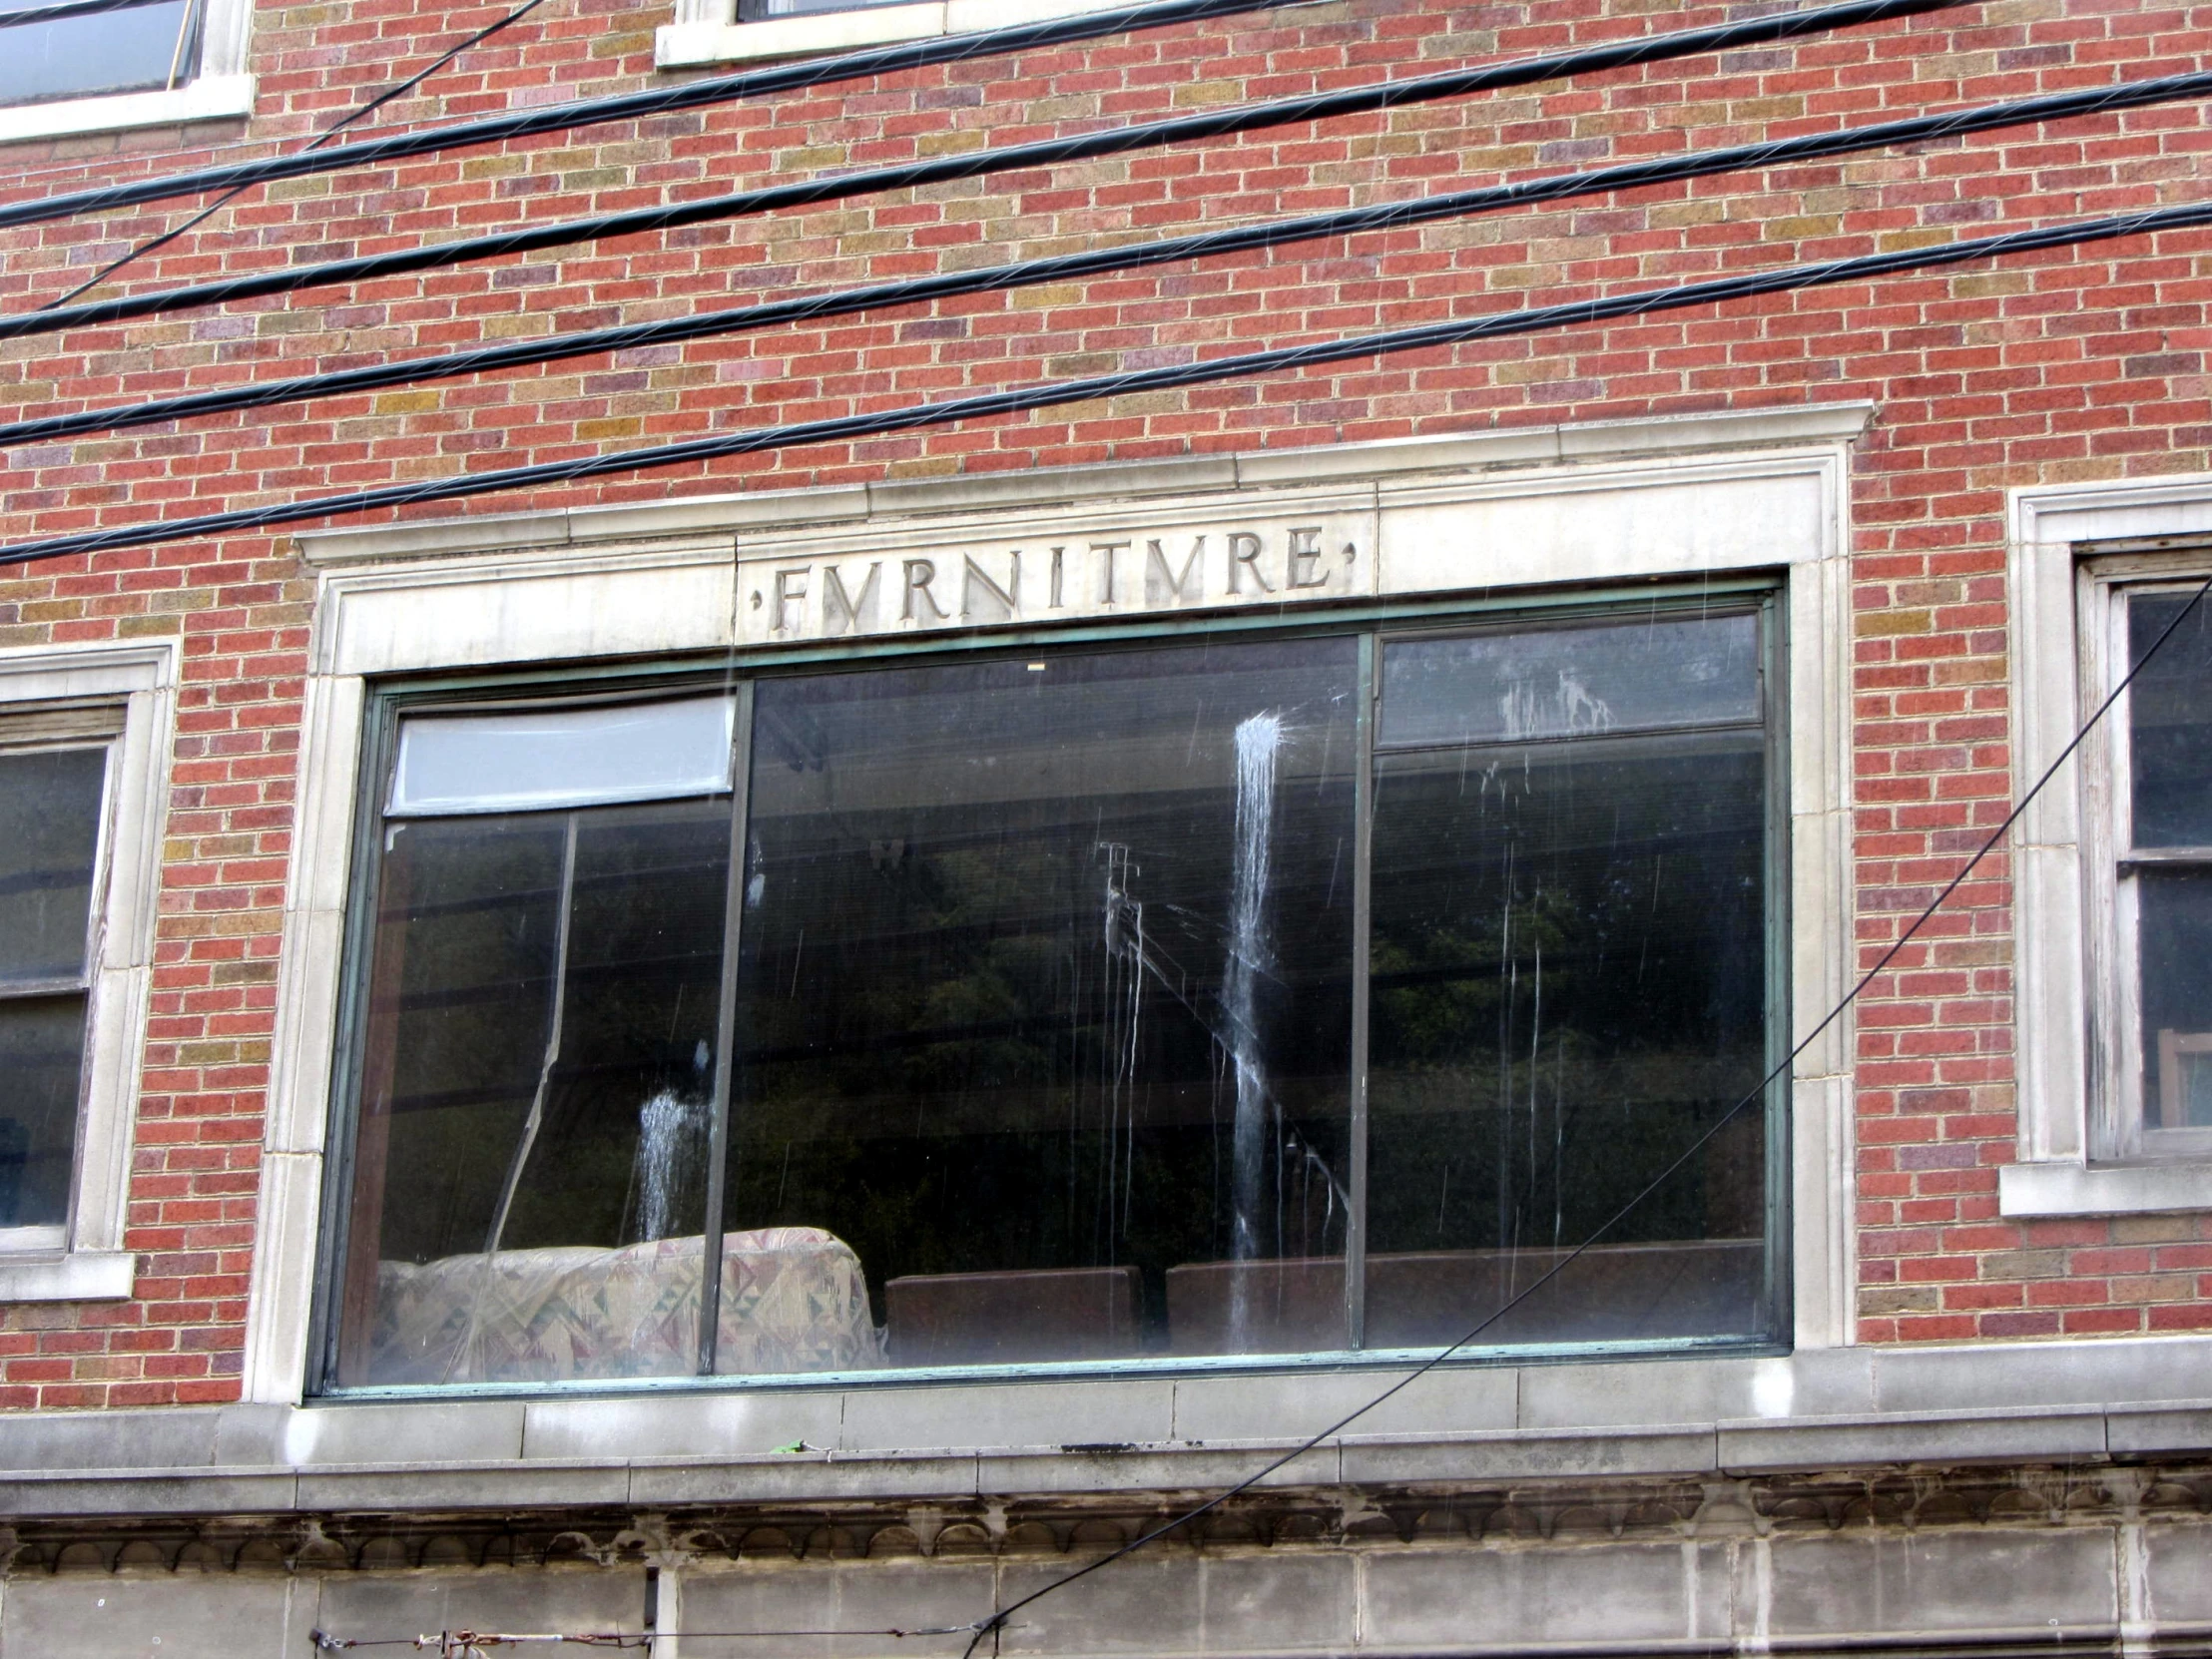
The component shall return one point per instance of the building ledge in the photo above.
(2019, 1403)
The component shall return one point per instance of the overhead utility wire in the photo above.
(1782, 1068)
(1016, 399)
(631, 106)
(399, 90)
(1096, 261)
(837, 187)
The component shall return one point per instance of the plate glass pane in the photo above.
(49, 842)
(1569, 985)
(42, 1047)
(2169, 721)
(555, 758)
(134, 49)
(541, 1018)
(2174, 945)
(1045, 1007)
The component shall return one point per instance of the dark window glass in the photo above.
(2169, 722)
(42, 1045)
(2174, 941)
(49, 842)
(1043, 998)
(1043, 1013)
(49, 834)
(128, 49)
(1568, 983)
(541, 1011)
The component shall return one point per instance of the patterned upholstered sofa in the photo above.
(793, 1299)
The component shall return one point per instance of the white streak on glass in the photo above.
(668, 1137)
(1259, 743)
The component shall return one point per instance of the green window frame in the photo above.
(1371, 1139)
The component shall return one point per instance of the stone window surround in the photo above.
(1723, 493)
(222, 87)
(2062, 542)
(708, 32)
(91, 1265)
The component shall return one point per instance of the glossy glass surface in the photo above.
(539, 1060)
(2174, 943)
(49, 841)
(1044, 1000)
(42, 1046)
(2169, 721)
(1568, 985)
(1662, 671)
(132, 49)
(1043, 996)
(538, 759)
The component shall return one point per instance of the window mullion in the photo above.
(726, 1023)
(1363, 907)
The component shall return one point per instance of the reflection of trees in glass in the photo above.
(977, 1110)
(955, 1056)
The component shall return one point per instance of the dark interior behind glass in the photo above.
(2169, 720)
(50, 811)
(1043, 1017)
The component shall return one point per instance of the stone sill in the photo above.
(81, 1276)
(1844, 1408)
(211, 98)
(2055, 1189)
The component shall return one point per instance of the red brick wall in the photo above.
(2061, 366)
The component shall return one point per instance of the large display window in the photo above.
(1215, 997)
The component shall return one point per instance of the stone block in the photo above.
(1968, 1578)
(383, 1607)
(157, 1616)
(1429, 1600)
(1009, 1414)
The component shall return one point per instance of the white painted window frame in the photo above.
(2072, 550)
(85, 1261)
(219, 87)
(708, 32)
(1605, 502)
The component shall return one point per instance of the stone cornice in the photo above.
(772, 511)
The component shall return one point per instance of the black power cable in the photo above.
(629, 106)
(1096, 261)
(362, 113)
(966, 165)
(1013, 400)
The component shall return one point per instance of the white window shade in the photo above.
(539, 759)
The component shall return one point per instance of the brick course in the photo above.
(2072, 365)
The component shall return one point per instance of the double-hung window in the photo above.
(59, 49)
(54, 790)
(1233, 996)
(2160, 809)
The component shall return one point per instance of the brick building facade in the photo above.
(1988, 1230)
